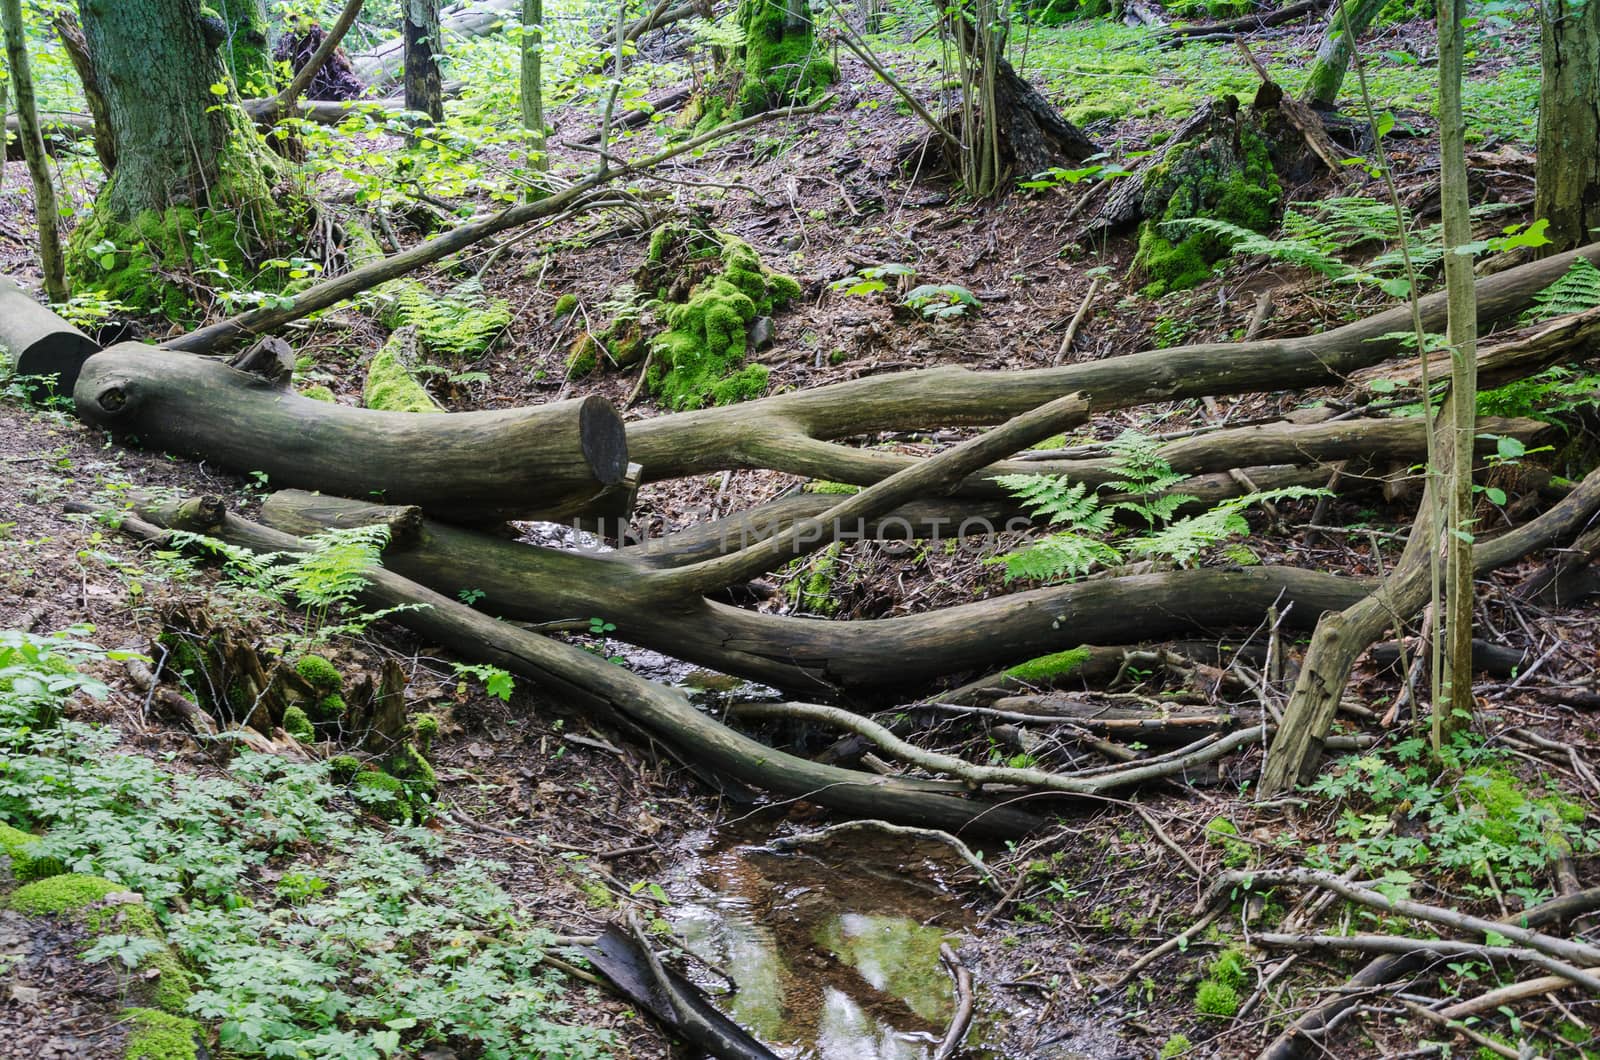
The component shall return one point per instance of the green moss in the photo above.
(597, 894)
(1502, 808)
(319, 393)
(298, 724)
(1232, 968)
(1174, 1047)
(699, 360)
(821, 486)
(319, 673)
(15, 845)
(583, 357)
(781, 61)
(811, 589)
(426, 727)
(344, 767)
(1223, 833)
(173, 987)
(412, 769)
(1216, 999)
(383, 795)
(154, 1035)
(1047, 668)
(564, 305)
(1204, 178)
(390, 385)
(331, 707)
(66, 893)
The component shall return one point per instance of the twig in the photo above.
(985, 873)
(1077, 320)
(1167, 841)
(963, 1017)
(1175, 942)
(1505, 995)
(1461, 1029)
(1564, 949)
(1403, 945)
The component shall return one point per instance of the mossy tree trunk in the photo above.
(247, 49)
(1568, 192)
(1347, 20)
(780, 61)
(533, 76)
(188, 157)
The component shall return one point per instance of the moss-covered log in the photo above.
(542, 462)
(34, 341)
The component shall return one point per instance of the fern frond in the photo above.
(1577, 290)
(1059, 501)
(1183, 540)
(1059, 557)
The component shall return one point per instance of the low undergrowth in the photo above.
(309, 930)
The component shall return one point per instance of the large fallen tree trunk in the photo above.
(381, 67)
(790, 427)
(582, 679)
(548, 461)
(36, 342)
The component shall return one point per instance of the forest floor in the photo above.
(582, 824)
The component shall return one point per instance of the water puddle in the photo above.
(832, 951)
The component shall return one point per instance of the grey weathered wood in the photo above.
(545, 461)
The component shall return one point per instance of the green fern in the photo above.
(1576, 291)
(1552, 393)
(461, 323)
(1059, 557)
(1146, 478)
(1183, 540)
(1059, 502)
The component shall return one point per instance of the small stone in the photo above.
(761, 333)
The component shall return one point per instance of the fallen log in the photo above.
(579, 678)
(36, 342)
(789, 427)
(1342, 637)
(1176, 36)
(534, 584)
(547, 461)
(60, 128)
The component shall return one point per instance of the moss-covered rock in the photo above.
(699, 359)
(1227, 178)
(412, 769)
(157, 1035)
(297, 723)
(319, 673)
(390, 385)
(330, 708)
(61, 894)
(564, 305)
(344, 767)
(17, 856)
(319, 393)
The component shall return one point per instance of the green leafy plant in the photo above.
(874, 279)
(1081, 522)
(945, 301)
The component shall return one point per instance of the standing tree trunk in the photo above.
(1568, 192)
(781, 60)
(424, 82)
(193, 180)
(44, 189)
(1456, 709)
(247, 49)
(533, 77)
(1347, 21)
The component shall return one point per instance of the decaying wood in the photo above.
(34, 341)
(1178, 35)
(582, 679)
(544, 461)
(382, 67)
(544, 585)
(1342, 638)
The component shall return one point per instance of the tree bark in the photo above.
(1347, 21)
(1568, 189)
(156, 65)
(77, 49)
(46, 215)
(424, 48)
(533, 78)
(548, 461)
(36, 342)
(246, 50)
(1450, 718)
(384, 65)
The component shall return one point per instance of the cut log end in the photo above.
(603, 440)
(39, 343)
